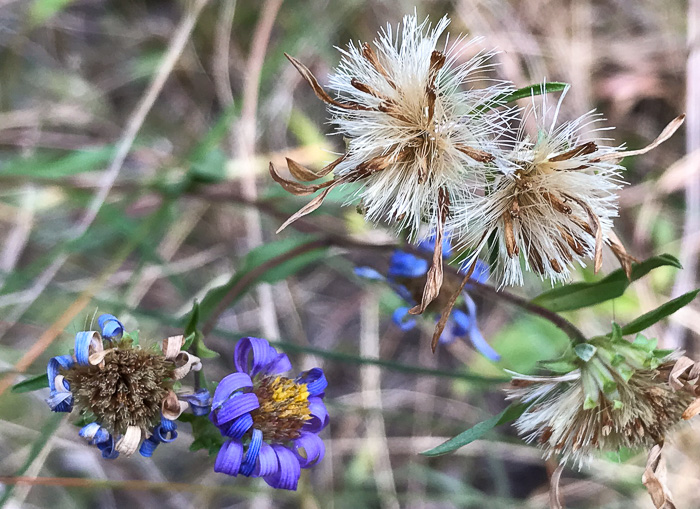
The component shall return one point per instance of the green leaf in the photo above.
(188, 341)
(585, 351)
(191, 327)
(211, 168)
(47, 166)
(43, 10)
(260, 266)
(529, 91)
(205, 353)
(616, 333)
(33, 383)
(477, 431)
(648, 319)
(206, 435)
(648, 345)
(580, 295)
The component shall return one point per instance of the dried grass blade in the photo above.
(554, 495)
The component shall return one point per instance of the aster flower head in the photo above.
(272, 421)
(553, 200)
(406, 276)
(616, 394)
(418, 134)
(123, 391)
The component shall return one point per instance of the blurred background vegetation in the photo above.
(134, 142)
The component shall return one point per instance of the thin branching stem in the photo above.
(307, 226)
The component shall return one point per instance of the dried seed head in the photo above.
(284, 408)
(126, 391)
(553, 202)
(620, 397)
(412, 121)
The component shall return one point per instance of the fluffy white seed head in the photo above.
(551, 199)
(416, 119)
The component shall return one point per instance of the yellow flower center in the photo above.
(284, 408)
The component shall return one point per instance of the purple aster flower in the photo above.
(272, 421)
(126, 391)
(406, 275)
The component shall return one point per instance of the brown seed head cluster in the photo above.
(127, 390)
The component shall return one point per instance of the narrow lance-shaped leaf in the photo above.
(477, 431)
(33, 383)
(522, 93)
(580, 295)
(648, 319)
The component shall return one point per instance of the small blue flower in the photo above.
(405, 266)
(247, 408)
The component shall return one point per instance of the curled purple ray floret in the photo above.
(112, 329)
(247, 408)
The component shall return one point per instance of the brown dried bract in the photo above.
(478, 155)
(304, 174)
(581, 150)
(371, 57)
(447, 311)
(597, 231)
(433, 282)
(318, 89)
(296, 188)
(511, 246)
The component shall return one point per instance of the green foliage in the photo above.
(42, 11)
(45, 166)
(648, 319)
(522, 93)
(581, 295)
(206, 435)
(265, 264)
(477, 431)
(33, 383)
